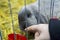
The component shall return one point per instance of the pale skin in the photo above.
(41, 31)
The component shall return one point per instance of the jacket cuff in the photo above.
(54, 29)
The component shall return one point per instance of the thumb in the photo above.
(37, 34)
(32, 28)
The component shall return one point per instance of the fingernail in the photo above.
(25, 29)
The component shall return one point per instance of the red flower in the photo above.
(17, 37)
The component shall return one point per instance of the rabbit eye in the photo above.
(29, 15)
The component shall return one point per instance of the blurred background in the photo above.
(5, 16)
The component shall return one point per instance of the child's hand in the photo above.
(41, 31)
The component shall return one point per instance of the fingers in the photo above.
(38, 27)
(32, 28)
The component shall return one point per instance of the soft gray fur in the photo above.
(30, 15)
